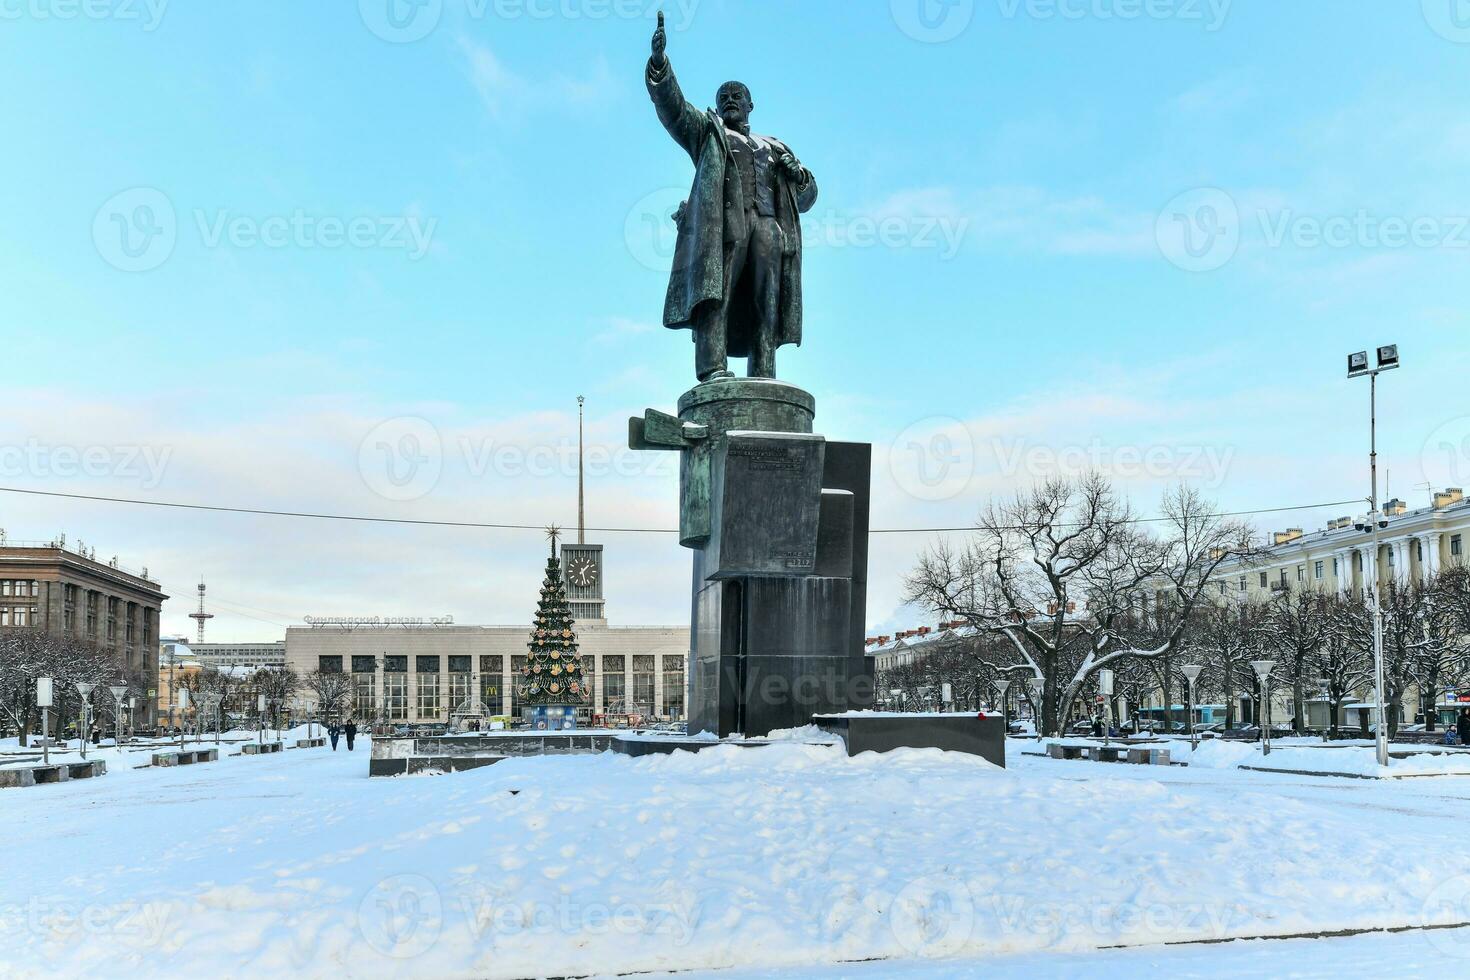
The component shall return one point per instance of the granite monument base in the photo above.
(777, 518)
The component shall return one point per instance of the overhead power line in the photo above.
(484, 525)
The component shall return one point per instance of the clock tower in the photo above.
(582, 565)
(581, 562)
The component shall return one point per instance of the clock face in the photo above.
(582, 572)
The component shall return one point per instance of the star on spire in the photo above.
(553, 532)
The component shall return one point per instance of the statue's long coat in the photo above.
(715, 215)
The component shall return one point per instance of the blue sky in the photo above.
(1140, 234)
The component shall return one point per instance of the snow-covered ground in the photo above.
(779, 858)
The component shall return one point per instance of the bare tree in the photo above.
(1225, 637)
(1411, 633)
(277, 684)
(1065, 573)
(332, 688)
(27, 653)
(1445, 661)
(1294, 627)
(1343, 661)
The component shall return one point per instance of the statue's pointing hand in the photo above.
(660, 41)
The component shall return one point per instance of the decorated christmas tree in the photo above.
(553, 672)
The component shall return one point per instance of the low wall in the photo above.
(453, 753)
(880, 731)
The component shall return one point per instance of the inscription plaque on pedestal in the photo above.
(766, 503)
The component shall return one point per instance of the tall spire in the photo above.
(581, 492)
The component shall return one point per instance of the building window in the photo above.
(329, 665)
(7, 587)
(643, 684)
(364, 694)
(490, 691)
(517, 678)
(428, 695)
(1301, 573)
(1336, 567)
(459, 690)
(364, 665)
(1241, 587)
(1455, 548)
(20, 616)
(674, 687)
(1264, 581)
(395, 696)
(614, 684)
(1318, 570)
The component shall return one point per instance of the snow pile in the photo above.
(787, 855)
(1215, 753)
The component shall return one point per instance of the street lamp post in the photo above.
(117, 691)
(1191, 674)
(183, 714)
(1038, 700)
(260, 719)
(44, 697)
(1001, 686)
(1388, 359)
(85, 688)
(1263, 670)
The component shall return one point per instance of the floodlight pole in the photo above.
(1374, 592)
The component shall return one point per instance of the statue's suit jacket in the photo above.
(715, 214)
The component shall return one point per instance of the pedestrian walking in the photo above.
(1462, 728)
(334, 731)
(351, 732)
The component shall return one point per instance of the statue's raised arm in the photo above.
(684, 121)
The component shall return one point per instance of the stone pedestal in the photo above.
(777, 518)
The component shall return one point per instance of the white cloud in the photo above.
(505, 92)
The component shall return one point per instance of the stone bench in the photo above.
(1059, 751)
(260, 748)
(309, 743)
(57, 773)
(1148, 756)
(1103, 753)
(185, 757)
